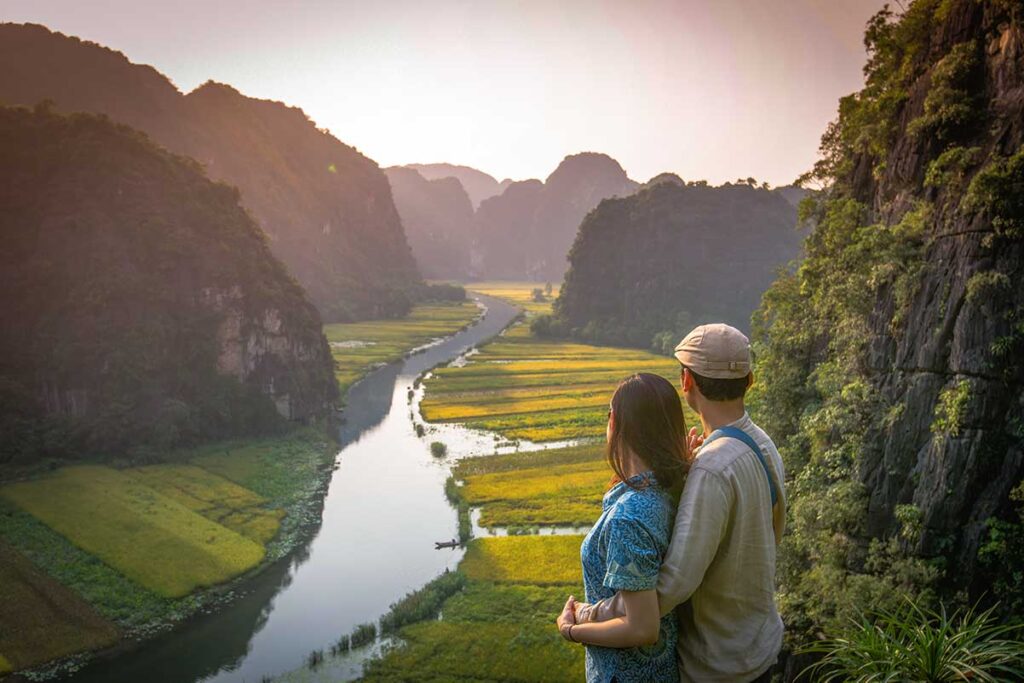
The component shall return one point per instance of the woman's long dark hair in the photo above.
(648, 419)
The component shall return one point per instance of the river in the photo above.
(382, 512)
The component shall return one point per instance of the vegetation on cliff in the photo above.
(889, 364)
(144, 308)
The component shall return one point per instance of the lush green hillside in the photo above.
(326, 208)
(647, 268)
(144, 307)
(526, 232)
(889, 364)
(438, 220)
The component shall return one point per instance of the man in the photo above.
(720, 566)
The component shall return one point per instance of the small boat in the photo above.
(446, 544)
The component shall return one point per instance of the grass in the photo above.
(538, 560)
(150, 538)
(44, 620)
(358, 348)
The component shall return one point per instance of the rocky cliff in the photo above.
(143, 306)
(890, 364)
(672, 256)
(326, 208)
(527, 233)
(438, 220)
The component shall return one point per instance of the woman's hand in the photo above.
(567, 619)
(695, 440)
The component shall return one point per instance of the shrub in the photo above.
(915, 644)
(438, 449)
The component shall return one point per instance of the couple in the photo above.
(688, 593)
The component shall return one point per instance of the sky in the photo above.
(707, 89)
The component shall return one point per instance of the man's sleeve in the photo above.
(701, 523)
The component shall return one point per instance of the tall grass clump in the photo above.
(438, 449)
(423, 604)
(918, 644)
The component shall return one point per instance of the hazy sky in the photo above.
(713, 89)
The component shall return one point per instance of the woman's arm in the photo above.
(640, 625)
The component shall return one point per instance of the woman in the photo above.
(647, 450)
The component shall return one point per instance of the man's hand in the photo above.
(695, 440)
(567, 618)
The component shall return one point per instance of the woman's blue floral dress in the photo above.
(624, 551)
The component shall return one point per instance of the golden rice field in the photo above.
(523, 388)
(519, 293)
(149, 537)
(537, 560)
(49, 620)
(547, 488)
(359, 347)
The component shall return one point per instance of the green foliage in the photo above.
(917, 644)
(438, 449)
(1002, 556)
(987, 284)
(950, 107)
(997, 191)
(948, 170)
(442, 291)
(453, 492)
(949, 412)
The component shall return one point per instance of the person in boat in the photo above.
(718, 574)
(622, 554)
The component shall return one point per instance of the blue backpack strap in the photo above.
(739, 434)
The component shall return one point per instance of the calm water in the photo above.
(383, 511)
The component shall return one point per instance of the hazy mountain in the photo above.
(527, 234)
(672, 256)
(143, 305)
(478, 185)
(326, 208)
(438, 220)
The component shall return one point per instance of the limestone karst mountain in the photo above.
(149, 309)
(326, 208)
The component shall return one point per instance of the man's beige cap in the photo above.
(717, 351)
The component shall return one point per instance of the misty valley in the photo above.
(272, 411)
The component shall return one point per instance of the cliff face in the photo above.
(438, 220)
(326, 208)
(673, 256)
(143, 305)
(890, 363)
(544, 221)
(956, 352)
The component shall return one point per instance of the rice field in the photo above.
(151, 538)
(555, 487)
(537, 560)
(523, 388)
(48, 619)
(519, 293)
(214, 497)
(360, 347)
